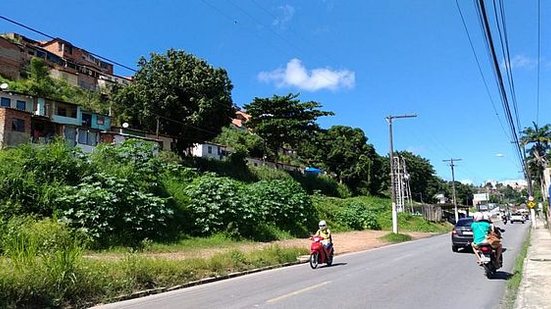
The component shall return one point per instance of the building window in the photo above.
(5, 102)
(18, 125)
(209, 149)
(100, 121)
(59, 46)
(66, 110)
(86, 137)
(21, 105)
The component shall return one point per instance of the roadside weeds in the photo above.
(513, 283)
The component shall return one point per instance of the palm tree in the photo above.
(540, 141)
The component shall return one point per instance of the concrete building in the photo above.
(209, 151)
(11, 59)
(73, 64)
(15, 127)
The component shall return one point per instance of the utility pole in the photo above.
(392, 176)
(453, 187)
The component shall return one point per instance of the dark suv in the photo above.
(462, 234)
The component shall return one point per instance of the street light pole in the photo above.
(453, 187)
(392, 176)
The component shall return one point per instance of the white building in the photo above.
(209, 151)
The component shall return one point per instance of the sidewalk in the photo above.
(536, 279)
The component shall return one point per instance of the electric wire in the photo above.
(502, 29)
(539, 61)
(485, 24)
(480, 69)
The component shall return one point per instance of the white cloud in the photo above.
(521, 62)
(500, 155)
(295, 74)
(287, 15)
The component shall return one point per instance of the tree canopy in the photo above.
(344, 152)
(182, 94)
(284, 120)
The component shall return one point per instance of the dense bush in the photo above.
(134, 160)
(216, 205)
(268, 173)
(30, 177)
(112, 208)
(358, 217)
(283, 203)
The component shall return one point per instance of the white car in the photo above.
(517, 217)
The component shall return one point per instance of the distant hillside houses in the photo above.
(29, 119)
(73, 64)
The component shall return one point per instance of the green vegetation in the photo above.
(513, 282)
(39, 83)
(180, 94)
(396, 238)
(367, 212)
(43, 267)
(57, 203)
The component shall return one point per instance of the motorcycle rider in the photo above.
(326, 234)
(482, 226)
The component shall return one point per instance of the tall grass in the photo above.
(42, 266)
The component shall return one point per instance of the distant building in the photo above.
(75, 65)
(240, 120)
(209, 151)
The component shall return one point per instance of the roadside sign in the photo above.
(531, 204)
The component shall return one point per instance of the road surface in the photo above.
(420, 274)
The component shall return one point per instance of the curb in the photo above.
(300, 260)
(154, 291)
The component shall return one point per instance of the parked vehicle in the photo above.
(319, 254)
(462, 234)
(517, 217)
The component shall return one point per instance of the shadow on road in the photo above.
(335, 264)
(502, 275)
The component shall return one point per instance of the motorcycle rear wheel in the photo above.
(489, 270)
(314, 260)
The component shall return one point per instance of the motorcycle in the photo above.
(487, 257)
(319, 254)
(504, 219)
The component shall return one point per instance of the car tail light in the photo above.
(454, 231)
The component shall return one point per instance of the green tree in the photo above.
(284, 120)
(464, 193)
(539, 140)
(344, 152)
(242, 142)
(422, 176)
(182, 94)
(40, 84)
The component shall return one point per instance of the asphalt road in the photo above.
(419, 274)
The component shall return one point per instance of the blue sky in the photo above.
(363, 60)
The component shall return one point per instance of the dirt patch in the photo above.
(344, 243)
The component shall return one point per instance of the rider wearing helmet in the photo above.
(325, 233)
(482, 226)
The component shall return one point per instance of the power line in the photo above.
(52, 37)
(480, 69)
(539, 61)
(484, 21)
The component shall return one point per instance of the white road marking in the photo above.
(273, 300)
